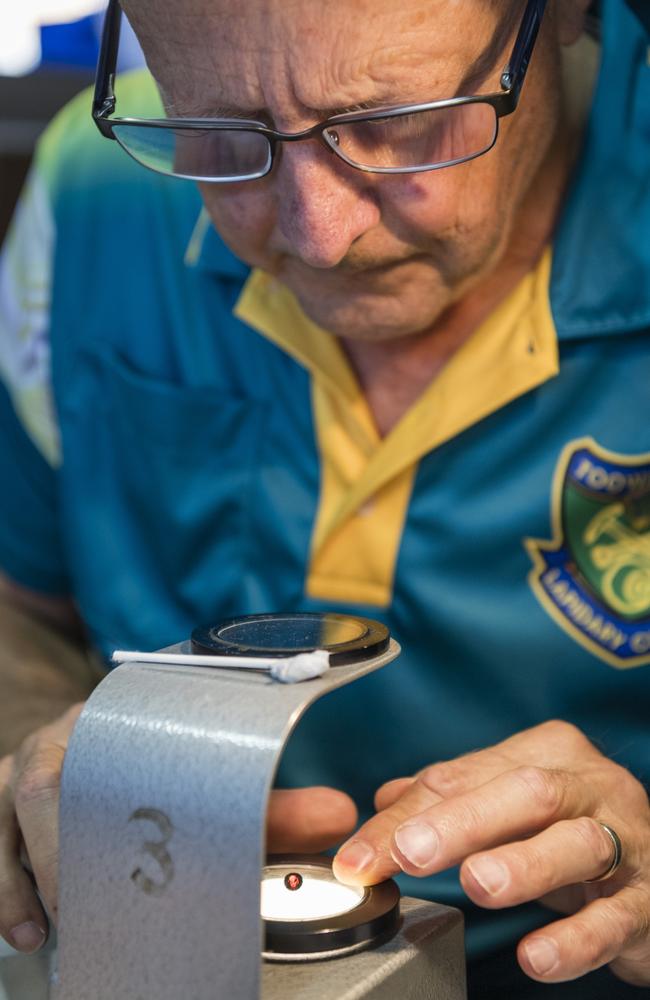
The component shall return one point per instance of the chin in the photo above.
(370, 317)
(372, 310)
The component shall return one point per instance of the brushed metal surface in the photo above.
(425, 961)
(24, 977)
(162, 817)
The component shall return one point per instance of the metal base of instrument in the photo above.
(24, 977)
(424, 961)
(162, 842)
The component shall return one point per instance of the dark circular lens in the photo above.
(348, 639)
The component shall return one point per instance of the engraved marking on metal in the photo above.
(158, 851)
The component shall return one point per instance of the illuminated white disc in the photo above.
(316, 899)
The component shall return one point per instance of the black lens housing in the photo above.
(347, 638)
(372, 922)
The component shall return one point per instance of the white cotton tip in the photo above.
(304, 667)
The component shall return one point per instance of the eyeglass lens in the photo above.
(418, 140)
(196, 153)
(424, 138)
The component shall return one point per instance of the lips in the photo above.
(350, 270)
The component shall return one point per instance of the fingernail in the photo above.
(356, 856)
(543, 955)
(491, 875)
(418, 843)
(27, 937)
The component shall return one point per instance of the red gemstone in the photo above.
(293, 881)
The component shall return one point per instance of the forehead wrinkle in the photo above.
(404, 55)
(187, 46)
(270, 54)
(398, 74)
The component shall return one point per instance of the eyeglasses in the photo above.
(395, 140)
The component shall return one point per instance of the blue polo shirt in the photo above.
(179, 443)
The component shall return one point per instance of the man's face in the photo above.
(368, 256)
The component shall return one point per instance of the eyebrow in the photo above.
(476, 75)
(260, 114)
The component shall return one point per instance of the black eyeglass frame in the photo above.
(503, 102)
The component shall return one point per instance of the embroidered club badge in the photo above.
(593, 577)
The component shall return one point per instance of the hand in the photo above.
(308, 819)
(521, 820)
(29, 805)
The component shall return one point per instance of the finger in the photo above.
(513, 805)
(36, 779)
(364, 862)
(391, 792)
(22, 921)
(593, 937)
(36, 793)
(449, 778)
(566, 853)
(556, 741)
(308, 820)
(551, 743)
(366, 859)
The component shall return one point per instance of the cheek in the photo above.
(444, 203)
(244, 215)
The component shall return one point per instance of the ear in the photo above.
(570, 16)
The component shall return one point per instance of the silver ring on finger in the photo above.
(617, 856)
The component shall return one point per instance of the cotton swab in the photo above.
(287, 670)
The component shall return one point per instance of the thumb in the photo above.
(308, 820)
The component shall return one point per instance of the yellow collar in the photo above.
(512, 352)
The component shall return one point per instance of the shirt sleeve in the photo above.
(31, 550)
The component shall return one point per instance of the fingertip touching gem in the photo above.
(356, 856)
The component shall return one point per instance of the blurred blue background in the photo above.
(37, 34)
(76, 43)
(48, 53)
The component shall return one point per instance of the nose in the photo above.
(324, 205)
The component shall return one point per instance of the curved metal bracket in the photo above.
(162, 829)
